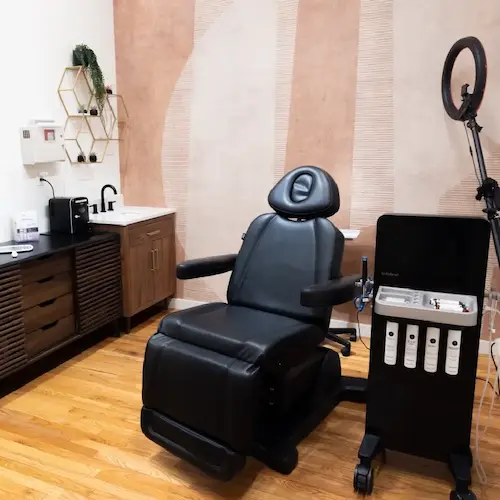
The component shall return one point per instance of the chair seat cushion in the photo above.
(246, 334)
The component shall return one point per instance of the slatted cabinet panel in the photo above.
(98, 285)
(12, 340)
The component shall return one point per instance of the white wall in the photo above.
(37, 39)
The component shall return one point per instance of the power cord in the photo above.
(482, 379)
(42, 179)
(359, 303)
(359, 331)
(493, 356)
(480, 435)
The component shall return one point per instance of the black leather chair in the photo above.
(250, 377)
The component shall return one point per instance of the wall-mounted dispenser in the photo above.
(42, 142)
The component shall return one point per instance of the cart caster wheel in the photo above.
(346, 351)
(462, 496)
(363, 479)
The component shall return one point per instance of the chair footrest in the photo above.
(211, 457)
(206, 391)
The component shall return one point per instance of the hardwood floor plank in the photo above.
(74, 433)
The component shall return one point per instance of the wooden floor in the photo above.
(74, 433)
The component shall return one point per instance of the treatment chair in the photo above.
(223, 381)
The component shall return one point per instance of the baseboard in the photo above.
(365, 329)
(180, 304)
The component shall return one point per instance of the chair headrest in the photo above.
(306, 193)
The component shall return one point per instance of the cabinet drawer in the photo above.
(50, 335)
(45, 289)
(160, 228)
(40, 269)
(47, 312)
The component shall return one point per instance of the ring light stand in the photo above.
(467, 113)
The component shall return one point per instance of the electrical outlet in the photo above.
(41, 175)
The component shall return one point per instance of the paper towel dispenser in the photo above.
(42, 142)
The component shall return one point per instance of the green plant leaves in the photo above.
(85, 56)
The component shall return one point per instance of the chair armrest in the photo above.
(331, 293)
(207, 266)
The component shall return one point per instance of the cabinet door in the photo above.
(98, 284)
(12, 339)
(164, 265)
(141, 281)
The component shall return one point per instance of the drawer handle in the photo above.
(45, 280)
(50, 325)
(157, 260)
(47, 303)
(152, 233)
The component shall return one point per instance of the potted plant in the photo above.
(109, 90)
(94, 111)
(81, 109)
(84, 56)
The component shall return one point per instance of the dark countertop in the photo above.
(52, 243)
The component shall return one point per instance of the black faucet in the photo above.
(103, 204)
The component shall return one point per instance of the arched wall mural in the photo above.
(227, 95)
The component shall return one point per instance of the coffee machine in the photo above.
(69, 215)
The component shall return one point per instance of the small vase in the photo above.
(92, 157)
(80, 158)
(109, 91)
(94, 112)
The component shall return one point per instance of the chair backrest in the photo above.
(286, 251)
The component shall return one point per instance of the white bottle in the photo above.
(431, 350)
(411, 346)
(453, 352)
(391, 343)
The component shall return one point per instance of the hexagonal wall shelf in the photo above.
(88, 129)
(122, 118)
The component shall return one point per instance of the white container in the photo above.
(25, 226)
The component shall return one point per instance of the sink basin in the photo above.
(127, 213)
(125, 216)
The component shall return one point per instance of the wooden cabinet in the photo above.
(47, 301)
(148, 261)
(139, 293)
(164, 266)
(98, 283)
(66, 288)
(12, 350)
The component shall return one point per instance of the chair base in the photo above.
(354, 389)
(334, 335)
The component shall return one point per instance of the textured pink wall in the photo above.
(321, 130)
(153, 40)
(226, 95)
